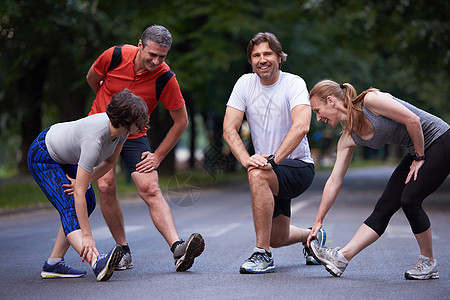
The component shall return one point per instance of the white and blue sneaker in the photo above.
(423, 269)
(321, 239)
(60, 270)
(106, 263)
(259, 262)
(330, 258)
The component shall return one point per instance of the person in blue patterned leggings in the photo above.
(64, 159)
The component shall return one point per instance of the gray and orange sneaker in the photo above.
(185, 252)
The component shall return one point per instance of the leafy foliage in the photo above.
(47, 47)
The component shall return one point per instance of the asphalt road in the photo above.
(222, 214)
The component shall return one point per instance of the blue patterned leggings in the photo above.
(50, 176)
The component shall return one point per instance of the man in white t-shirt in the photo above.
(278, 112)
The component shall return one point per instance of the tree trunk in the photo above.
(30, 93)
(73, 106)
(193, 133)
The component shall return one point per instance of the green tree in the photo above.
(45, 51)
(47, 46)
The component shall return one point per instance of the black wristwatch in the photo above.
(418, 157)
(271, 160)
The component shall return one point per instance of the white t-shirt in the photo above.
(268, 111)
(86, 142)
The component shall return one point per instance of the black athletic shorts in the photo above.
(132, 151)
(294, 177)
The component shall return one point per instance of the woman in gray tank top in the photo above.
(374, 119)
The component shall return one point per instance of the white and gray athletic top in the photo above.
(268, 111)
(388, 131)
(86, 142)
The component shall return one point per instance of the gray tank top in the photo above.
(86, 142)
(388, 131)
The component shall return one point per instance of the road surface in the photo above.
(222, 214)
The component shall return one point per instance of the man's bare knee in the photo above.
(106, 187)
(256, 175)
(149, 191)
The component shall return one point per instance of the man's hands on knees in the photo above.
(149, 162)
(257, 161)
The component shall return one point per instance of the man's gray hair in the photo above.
(157, 34)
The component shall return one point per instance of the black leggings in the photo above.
(410, 196)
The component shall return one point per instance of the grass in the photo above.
(15, 195)
(28, 194)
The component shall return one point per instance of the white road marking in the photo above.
(304, 203)
(102, 233)
(402, 232)
(219, 230)
(214, 231)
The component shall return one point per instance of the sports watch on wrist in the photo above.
(418, 157)
(271, 160)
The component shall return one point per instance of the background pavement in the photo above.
(222, 214)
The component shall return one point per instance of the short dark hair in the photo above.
(157, 34)
(126, 109)
(266, 37)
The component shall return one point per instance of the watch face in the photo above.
(271, 160)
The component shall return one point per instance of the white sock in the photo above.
(341, 256)
(54, 260)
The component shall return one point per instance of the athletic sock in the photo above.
(126, 248)
(265, 251)
(54, 260)
(341, 256)
(174, 245)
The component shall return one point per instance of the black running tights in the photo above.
(410, 196)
